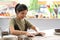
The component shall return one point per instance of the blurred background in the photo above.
(45, 14)
(37, 8)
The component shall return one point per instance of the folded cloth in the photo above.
(38, 34)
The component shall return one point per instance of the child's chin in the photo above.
(22, 18)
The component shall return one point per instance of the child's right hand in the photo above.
(29, 35)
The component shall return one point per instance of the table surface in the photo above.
(48, 36)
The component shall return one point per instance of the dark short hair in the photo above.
(20, 7)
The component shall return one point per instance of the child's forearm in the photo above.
(34, 28)
(17, 32)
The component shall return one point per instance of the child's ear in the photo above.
(17, 12)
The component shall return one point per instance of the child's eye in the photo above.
(22, 13)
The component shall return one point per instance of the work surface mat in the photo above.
(47, 38)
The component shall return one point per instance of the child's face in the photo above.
(22, 14)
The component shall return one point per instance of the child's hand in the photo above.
(41, 33)
(30, 35)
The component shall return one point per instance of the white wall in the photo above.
(4, 24)
(42, 24)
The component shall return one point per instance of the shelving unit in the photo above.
(6, 17)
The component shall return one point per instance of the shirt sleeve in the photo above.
(28, 24)
(11, 22)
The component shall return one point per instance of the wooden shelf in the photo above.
(5, 17)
